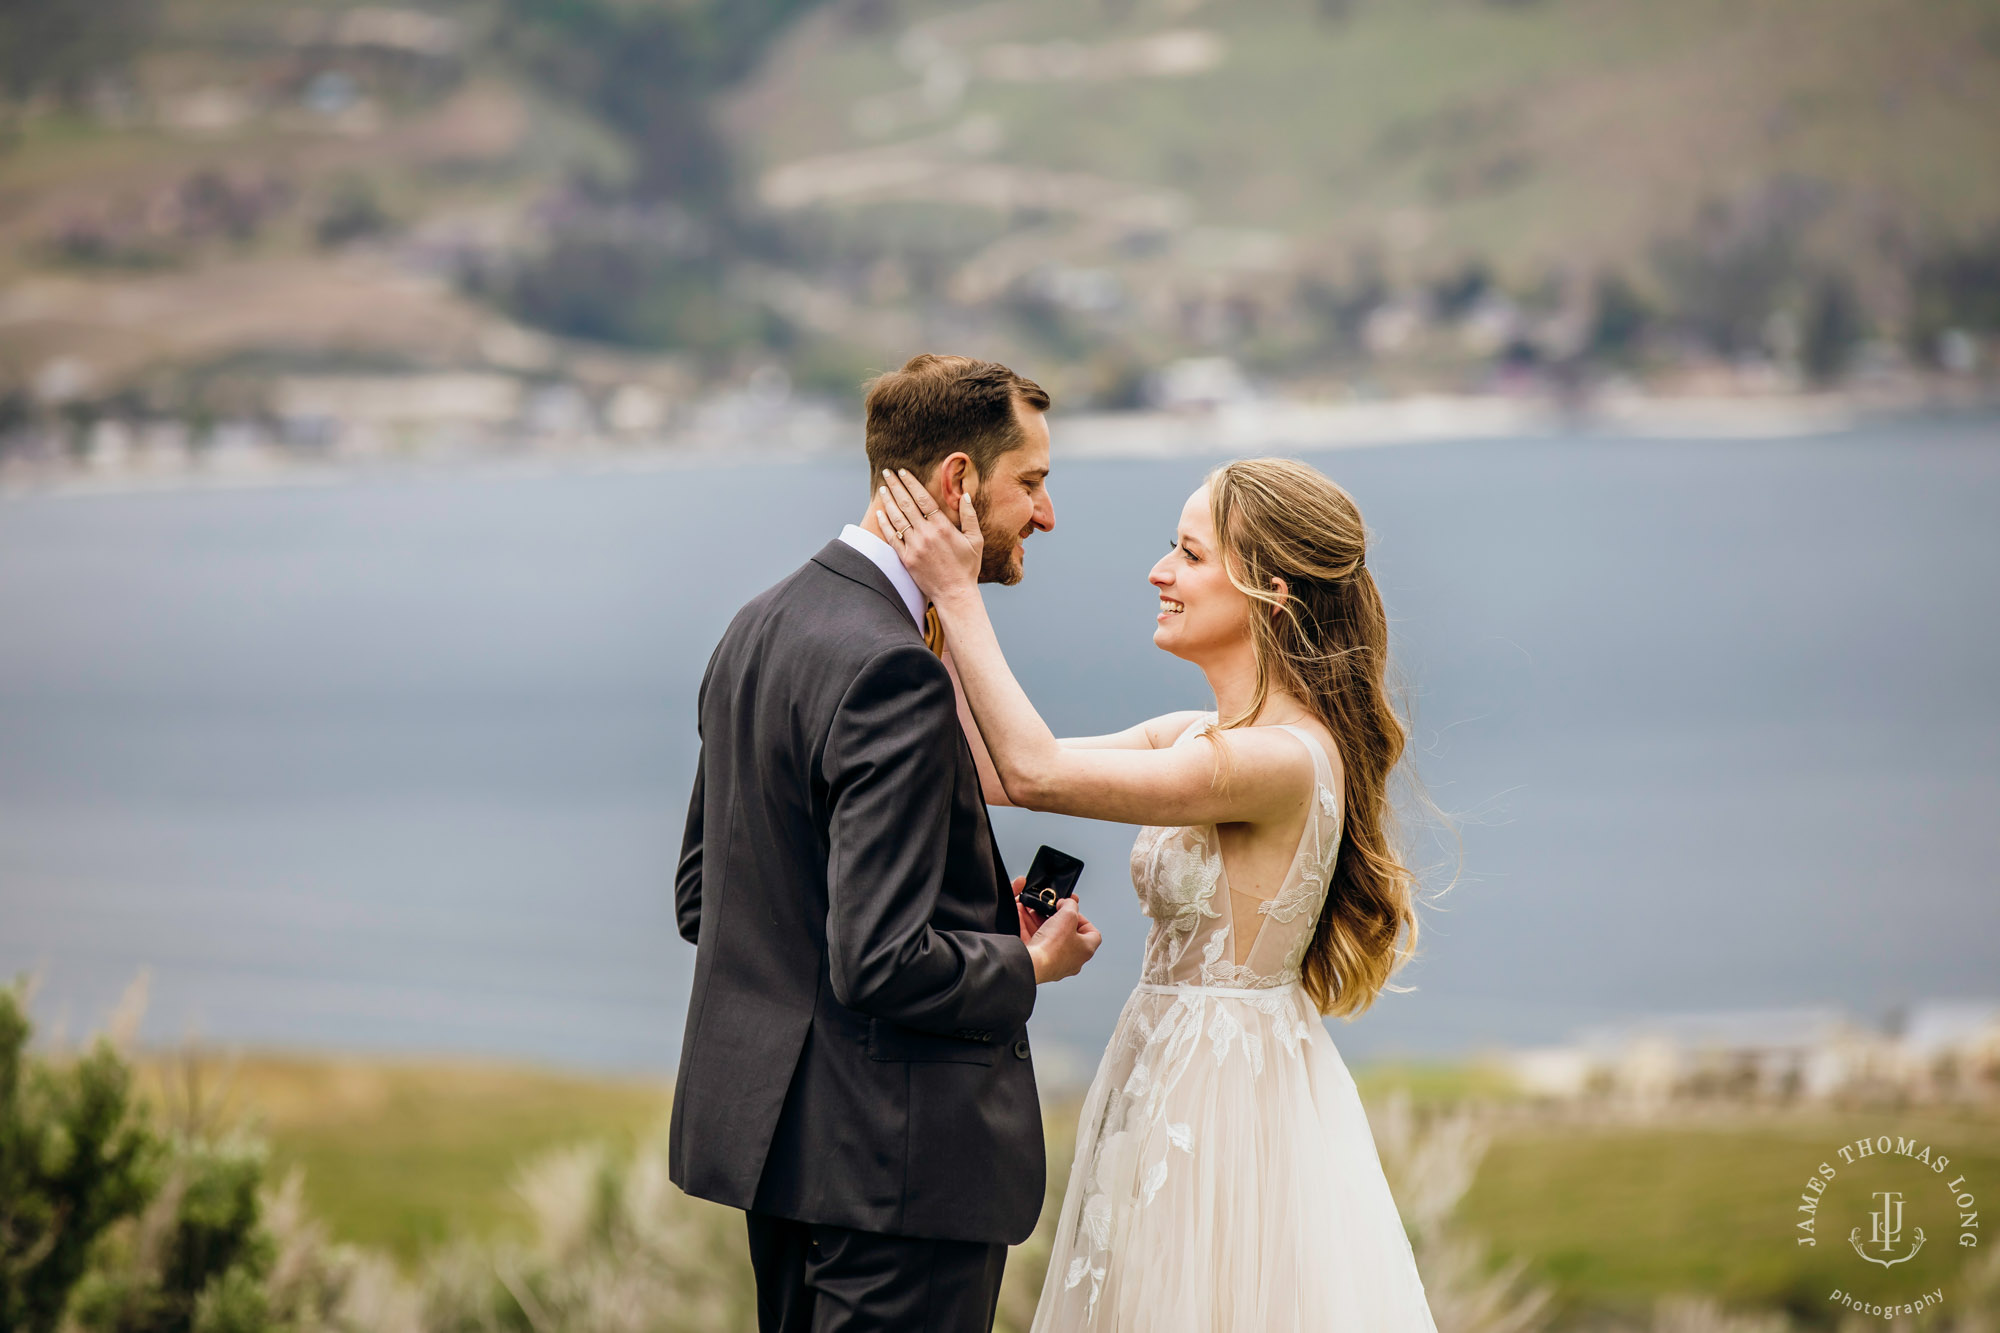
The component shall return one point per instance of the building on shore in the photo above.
(1938, 1051)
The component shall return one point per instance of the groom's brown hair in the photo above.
(936, 406)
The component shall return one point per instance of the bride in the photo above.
(1225, 1180)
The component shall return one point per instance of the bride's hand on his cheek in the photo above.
(941, 555)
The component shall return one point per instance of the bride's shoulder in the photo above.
(1168, 728)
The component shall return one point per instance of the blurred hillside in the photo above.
(327, 225)
(1313, 185)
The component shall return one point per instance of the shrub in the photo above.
(76, 1157)
(108, 1225)
(195, 1259)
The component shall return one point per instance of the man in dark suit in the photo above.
(856, 1071)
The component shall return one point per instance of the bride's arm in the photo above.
(1152, 734)
(1267, 776)
(1148, 735)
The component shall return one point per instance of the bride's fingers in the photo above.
(903, 524)
(894, 524)
(896, 509)
(907, 497)
(920, 499)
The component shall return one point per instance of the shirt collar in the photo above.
(884, 558)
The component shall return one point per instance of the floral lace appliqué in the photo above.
(1178, 1032)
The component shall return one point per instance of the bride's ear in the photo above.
(1281, 590)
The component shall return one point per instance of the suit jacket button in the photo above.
(1021, 1050)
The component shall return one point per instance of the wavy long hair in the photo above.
(1327, 645)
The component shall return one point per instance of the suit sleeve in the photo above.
(687, 876)
(890, 763)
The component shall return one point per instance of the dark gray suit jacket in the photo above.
(856, 1049)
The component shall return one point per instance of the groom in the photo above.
(856, 1072)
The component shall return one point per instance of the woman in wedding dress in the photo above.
(1225, 1179)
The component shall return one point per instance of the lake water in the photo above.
(401, 763)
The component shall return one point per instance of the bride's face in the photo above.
(1201, 611)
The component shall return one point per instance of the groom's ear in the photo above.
(956, 477)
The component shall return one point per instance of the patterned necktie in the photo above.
(933, 631)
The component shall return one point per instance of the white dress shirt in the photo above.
(885, 559)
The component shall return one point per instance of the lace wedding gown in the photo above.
(1226, 1180)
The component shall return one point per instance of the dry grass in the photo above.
(517, 1198)
(406, 1155)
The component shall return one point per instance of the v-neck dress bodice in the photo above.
(1183, 887)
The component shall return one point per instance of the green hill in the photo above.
(196, 195)
(1540, 134)
(1720, 160)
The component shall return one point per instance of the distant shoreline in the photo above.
(1250, 427)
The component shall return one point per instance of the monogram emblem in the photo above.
(1886, 1230)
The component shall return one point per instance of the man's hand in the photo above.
(1061, 945)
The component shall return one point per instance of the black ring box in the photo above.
(1051, 877)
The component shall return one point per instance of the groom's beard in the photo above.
(998, 562)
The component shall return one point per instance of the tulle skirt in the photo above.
(1226, 1181)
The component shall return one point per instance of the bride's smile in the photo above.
(1200, 610)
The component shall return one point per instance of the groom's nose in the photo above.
(1045, 511)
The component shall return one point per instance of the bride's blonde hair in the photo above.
(1327, 645)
